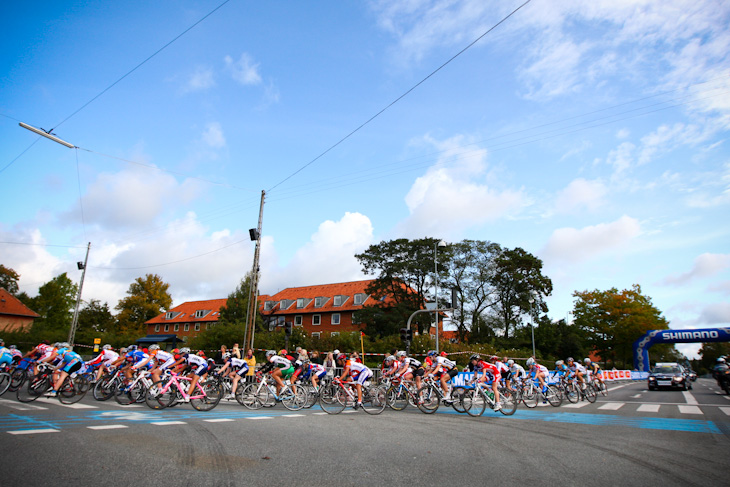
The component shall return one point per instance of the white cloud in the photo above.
(576, 245)
(621, 157)
(705, 265)
(213, 135)
(201, 79)
(453, 197)
(580, 194)
(715, 314)
(244, 71)
(328, 256)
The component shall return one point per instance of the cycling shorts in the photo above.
(200, 369)
(451, 373)
(72, 366)
(419, 372)
(242, 371)
(286, 373)
(362, 377)
(321, 375)
(6, 358)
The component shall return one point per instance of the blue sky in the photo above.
(592, 134)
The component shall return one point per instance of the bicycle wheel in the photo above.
(213, 392)
(530, 397)
(474, 402)
(601, 387)
(68, 393)
(17, 378)
(294, 401)
(572, 394)
(398, 398)
(329, 400)
(508, 402)
(590, 394)
(121, 393)
(428, 399)
(265, 397)
(457, 396)
(552, 396)
(4, 382)
(104, 388)
(374, 399)
(246, 396)
(312, 396)
(35, 387)
(152, 396)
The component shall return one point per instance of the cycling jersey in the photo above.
(136, 356)
(280, 362)
(404, 365)
(317, 370)
(239, 365)
(576, 367)
(517, 371)
(70, 360)
(537, 368)
(487, 368)
(5, 356)
(198, 363)
(106, 356)
(445, 363)
(164, 359)
(359, 372)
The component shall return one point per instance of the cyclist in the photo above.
(576, 370)
(6, 358)
(358, 372)
(517, 372)
(316, 373)
(106, 358)
(237, 368)
(17, 354)
(502, 366)
(541, 372)
(41, 352)
(163, 361)
(133, 358)
(404, 372)
(68, 363)
(489, 371)
(594, 370)
(561, 369)
(390, 366)
(199, 367)
(445, 370)
(282, 369)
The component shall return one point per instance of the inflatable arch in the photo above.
(652, 337)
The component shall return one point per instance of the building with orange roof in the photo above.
(14, 315)
(186, 320)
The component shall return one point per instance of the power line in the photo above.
(398, 99)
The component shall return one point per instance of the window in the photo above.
(167, 327)
(298, 320)
(319, 302)
(269, 305)
(170, 315)
(335, 334)
(338, 300)
(303, 302)
(335, 318)
(201, 313)
(187, 327)
(197, 326)
(315, 335)
(157, 328)
(316, 320)
(359, 299)
(176, 327)
(286, 303)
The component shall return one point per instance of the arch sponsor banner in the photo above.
(554, 377)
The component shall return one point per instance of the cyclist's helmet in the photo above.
(389, 359)
(184, 351)
(64, 345)
(106, 347)
(586, 360)
(494, 358)
(153, 348)
(342, 356)
(474, 357)
(131, 348)
(431, 353)
(530, 362)
(270, 353)
(400, 354)
(510, 362)
(721, 360)
(282, 352)
(569, 359)
(443, 354)
(226, 355)
(12, 347)
(558, 363)
(122, 351)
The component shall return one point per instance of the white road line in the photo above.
(20, 406)
(636, 396)
(321, 414)
(32, 432)
(576, 405)
(218, 420)
(107, 427)
(292, 416)
(648, 408)
(725, 410)
(689, 409)
(167, 423)
(689, 397)
(260, 417)
(618, 387)
(613, 406)
(55, 401)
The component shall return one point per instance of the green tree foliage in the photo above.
(612, 320)
(95, 321)
(9, 279)
(556, 339)
(235, 310)
(55, 303)
(147, 298)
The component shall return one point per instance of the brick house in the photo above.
(186, 320)
(14, 315)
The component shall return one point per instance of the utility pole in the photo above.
(75, 322)
(253, 294)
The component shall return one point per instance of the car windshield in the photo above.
(666, 369)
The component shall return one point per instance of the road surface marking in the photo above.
(78, 405)
(291, 416)
(725, 410)
(321, 414)
(689, 409)
(21, 406)
(107, 427)
(613, 406)
(648, 408)
(636, 396)
(689, 397)
(219, 420)
(167, 423)
(32, 432)
(259, 417)
(576, 405)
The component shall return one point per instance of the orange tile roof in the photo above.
(187, 312)
(10, 305)
(328, 291)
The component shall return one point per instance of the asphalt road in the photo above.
(661, 438)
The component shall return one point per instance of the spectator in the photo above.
(316, 359)
(251, 361)
(330, 364)
(219, 356)
(236, 352)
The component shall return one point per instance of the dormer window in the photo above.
(269, 305)
(171, 315)
(285, 303)
(303, 302)
(360, 298)
(201, 313)
(319, 301)
(339, 300)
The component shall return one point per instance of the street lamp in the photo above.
(47, 135)
(436, 245)
(532, 321)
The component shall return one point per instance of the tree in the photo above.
(236, 308)
(55, 303)
(613, 320)
(404, 270)
(147, 298)
(95, 320)
(9, 279)
(516, 280)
